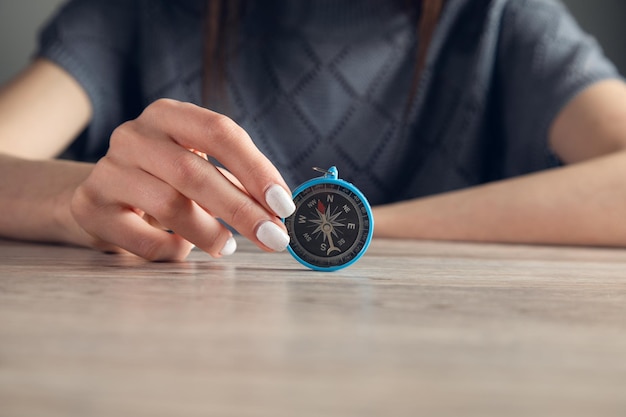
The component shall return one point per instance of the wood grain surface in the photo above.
(413, 329)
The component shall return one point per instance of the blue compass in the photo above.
(333, 224)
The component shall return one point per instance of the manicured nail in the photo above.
(229, 247)
(272, 236)
(280, 201)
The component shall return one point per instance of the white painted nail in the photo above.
(272, 236)
(229, 247)
(280, 201)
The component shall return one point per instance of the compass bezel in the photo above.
(331, 178)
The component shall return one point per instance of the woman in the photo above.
(481, 120)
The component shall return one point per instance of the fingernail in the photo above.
(272, 236)
(229, 247)
(280, 201)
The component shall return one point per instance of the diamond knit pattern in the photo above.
(322, 82)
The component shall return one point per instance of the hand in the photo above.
(152, 196)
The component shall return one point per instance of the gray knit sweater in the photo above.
(325, 82)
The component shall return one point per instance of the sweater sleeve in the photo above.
(93, 40)
(545, 60)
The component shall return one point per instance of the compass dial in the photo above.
(331, 227)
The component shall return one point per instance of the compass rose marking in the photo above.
(331, 226)
(327, 222)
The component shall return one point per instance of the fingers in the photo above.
(128, 231)
(156, 168)
(218, 136)
(131, 193)
(205, 184)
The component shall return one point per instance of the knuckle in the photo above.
(118, 138)
(242, 212)
(122, 134)
(188, 170)
(213, 241)
(259, 173)
(161, 105)
(96, 187)
(162, 250)
(124, 129)
(171, 206)
(101, 169)
(223, 129)
(149, 249)
(157, 110)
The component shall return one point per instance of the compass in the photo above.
(332, 225)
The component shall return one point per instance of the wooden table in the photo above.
(413, 329)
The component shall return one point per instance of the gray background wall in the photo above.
(604, 19)
(19, 20)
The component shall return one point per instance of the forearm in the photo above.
(580, 204)
(35, 199)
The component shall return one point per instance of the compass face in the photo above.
(331, 226)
